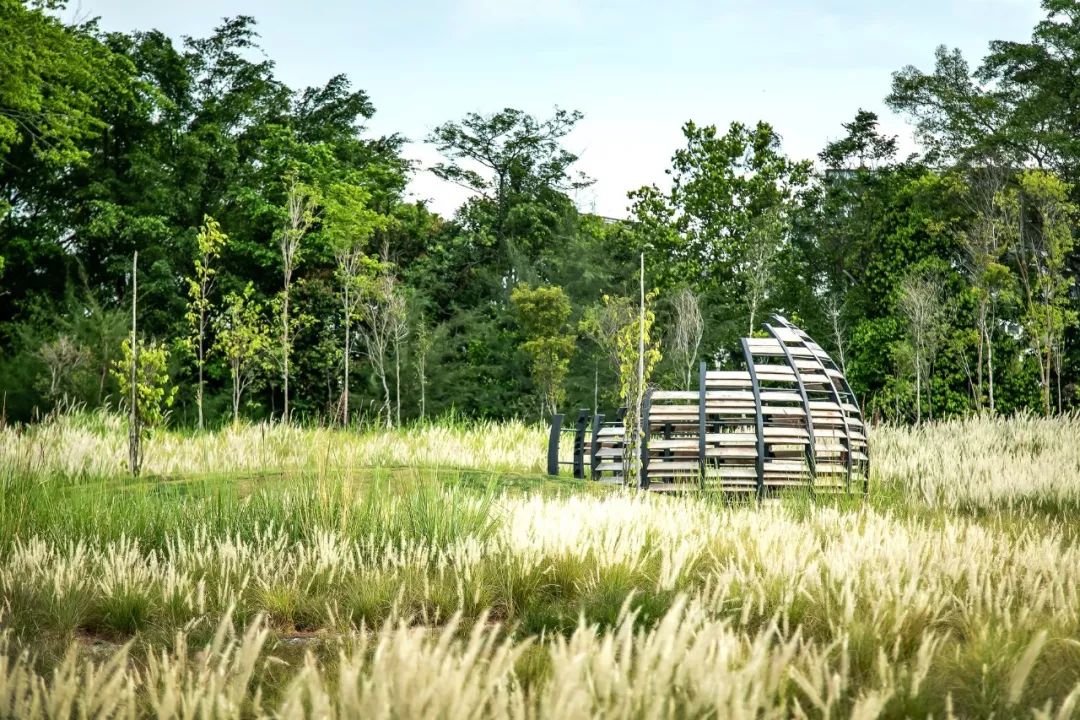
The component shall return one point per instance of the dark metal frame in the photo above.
(594, 446)
(597, 420)
(755, 387)
(579, 443)
(832, 392)
(862, 419)
(553, 444)
(646, 408)
(811, 449)
(702, 425)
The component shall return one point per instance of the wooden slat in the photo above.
(774, 431)
(675, 410)
(733, 438)
(669, 487)
(724, 375)
(660, 465)
(731, 451)
(787, 335)
(731, 471)
(782, 410)
(784, 466)
(674, 395)
(775, 396)
(674, 444)
(729, 395)
(772, 369)
(776, 442)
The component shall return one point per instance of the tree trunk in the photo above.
(345, 383)
(640, 401)
(236, 393)
(202, 363)
(979, 358)
(918, 388)
(397, 384)
(1045, 373)
(1057, 376)
(285, 353)
(990, 359)
(596, 389)
(386, 400)
(134, 431)
(423, 392)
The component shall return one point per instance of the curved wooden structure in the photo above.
(789, 419)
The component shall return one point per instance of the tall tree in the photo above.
(300, 205)
(210, 242)
(243, 339)
(956, 116)
(985, 243)
(383, 309)
(421, 350)
(723, 186)
(689, 326)
(55, 77)
(1036, 81)
(543, 313)
(1040, 221)
(350, 223)
(920, 302)
(765, 240)
(516, 167)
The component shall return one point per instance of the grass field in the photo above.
(432, 572)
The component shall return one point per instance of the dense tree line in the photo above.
(283, 273)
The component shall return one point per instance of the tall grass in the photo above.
(89, 446)
(980, 463)
(969, 464)
(405, 506)
(431, 592)
(688, 665)
(825, 612)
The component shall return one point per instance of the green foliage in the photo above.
(543, 313)
(520, 185)
(209, 243)
(243, 341)
(1042, 218)
(627, 345)
(153, 396)
(721, 186)
(54, 78)
(112, 143)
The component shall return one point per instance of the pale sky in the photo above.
(637, 69)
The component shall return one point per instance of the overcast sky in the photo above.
(637, 69)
